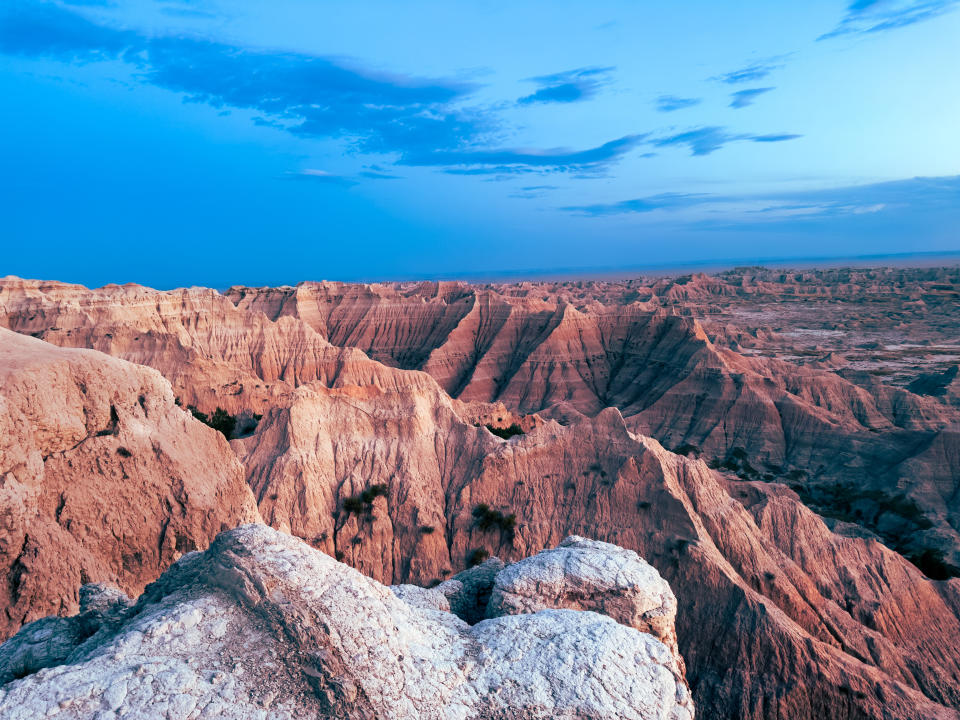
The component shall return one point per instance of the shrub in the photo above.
(736, 461)
(477, 556)
(506, 433)
(486, 518)
(363, 501)
(220, 420)
(123, 452)
(687, 449)
(250, 425)
(372, 493)
(897, 519)
(932, 564)
(427, 529)
(353, 505)
(223, 421)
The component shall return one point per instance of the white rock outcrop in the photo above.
(263, 626)
(582, 574)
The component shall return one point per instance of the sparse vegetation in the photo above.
(486, 518)
(506, 433)
(737, 462)
(687, 449)
(250, 425)
(220, 420)
(353, 505)
(363, 502)
(476, 557)
(932, 564)
(896, 519)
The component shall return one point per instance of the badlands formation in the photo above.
(781, 446)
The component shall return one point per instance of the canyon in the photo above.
(783, 447)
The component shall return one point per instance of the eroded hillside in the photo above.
(371, 446)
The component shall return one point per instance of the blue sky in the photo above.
(177, 142)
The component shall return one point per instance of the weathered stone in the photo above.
(261, 623)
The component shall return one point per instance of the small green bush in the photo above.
(477, 556)
(486, 518)
(220, 420)
(363, 501)
(353, 505)
(506, 433)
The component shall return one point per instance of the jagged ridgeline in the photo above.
(804, 518)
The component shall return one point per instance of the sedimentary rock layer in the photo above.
(102, 477)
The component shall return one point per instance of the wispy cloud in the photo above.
(672, 103)
(419, 121)
(639, 205)
(315, 96)
(188, 12)
(706, 140)
(413, 120)
(322, 177)
(910, 196)
(772, 138)
(569, 86)
(529, 192)
(521, 160)
(744, 98)
(874, 16)
(752, 72)
(377, 175)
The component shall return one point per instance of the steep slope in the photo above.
(397, 485)
(102, 477)
(534, 348)
(854, 447)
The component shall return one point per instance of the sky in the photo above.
(216, 142)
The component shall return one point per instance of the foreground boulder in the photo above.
(583, 574)
(262, 625)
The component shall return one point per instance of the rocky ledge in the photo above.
(263, 626)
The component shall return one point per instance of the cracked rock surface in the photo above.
(583, 574)
(263, 626)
